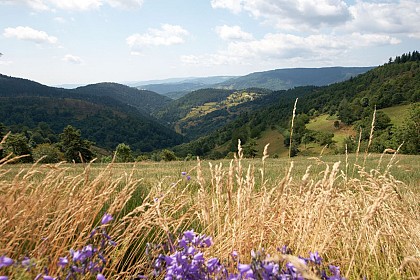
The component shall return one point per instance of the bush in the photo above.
(47, 153)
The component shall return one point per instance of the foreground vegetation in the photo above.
(360, 212)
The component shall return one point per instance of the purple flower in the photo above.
(77, 255)
(46, 277)
(106, 219)
(315, 258)
(93, 233)
(244, 268)
(5, 261)
(62, 262)
(26, 262)
(207, 242)
(183, 173)
(100, 277)
(335, 270)
(188, 177)
(4, 278)
(189, 235)
(213, 264)
(234, 254)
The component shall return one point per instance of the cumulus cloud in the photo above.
(291, 14)
(278, 46)
(233, 33)
(81, 5)
(72, 59)
(167, 35)
(233, 5)
(379, 16)
(391, 18)
(29, 34)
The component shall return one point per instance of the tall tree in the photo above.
(47, 153)
(75, 148)
(123, 153)
(18, 145)
(409, 133)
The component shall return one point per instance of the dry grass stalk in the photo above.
(291, 128)
(360, 224)
(372, 128)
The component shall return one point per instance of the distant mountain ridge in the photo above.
(282, 79)
(144, 100)
(278, 79)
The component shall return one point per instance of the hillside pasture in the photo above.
(397, 114)
(276, 140)
(325, 123)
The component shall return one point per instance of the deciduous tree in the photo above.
(75, 148)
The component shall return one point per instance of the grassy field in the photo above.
(397, 114)
(359, 212)
(276, 140)
(326, 123)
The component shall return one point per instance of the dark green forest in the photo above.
(102, 119)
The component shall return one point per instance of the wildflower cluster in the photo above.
(184, 174)
(263, 266)
(89, 260)
(187, 261)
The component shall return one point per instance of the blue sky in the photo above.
(88, 41)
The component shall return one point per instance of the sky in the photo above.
(57, 42)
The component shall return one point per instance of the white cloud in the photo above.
(72, 59)
(38, 5)
(29, 34)
(278, 46)
(127, 4)
(233, 5)
(291, 14)
(167, 35)
(60, 20)
(365, 16)
(77, 5)
(233, 33)
(6, 62)
(387, 18)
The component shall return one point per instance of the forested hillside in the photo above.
(351, 102)
(289, 78)
(102, 118)
(144, 100)
(201, 112)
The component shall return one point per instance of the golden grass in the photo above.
(367, 222)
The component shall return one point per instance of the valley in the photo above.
(208, 122)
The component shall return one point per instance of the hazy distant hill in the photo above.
(278, 79)
(289, 78)
(102, 113)
(144, 100)
(178, 88)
